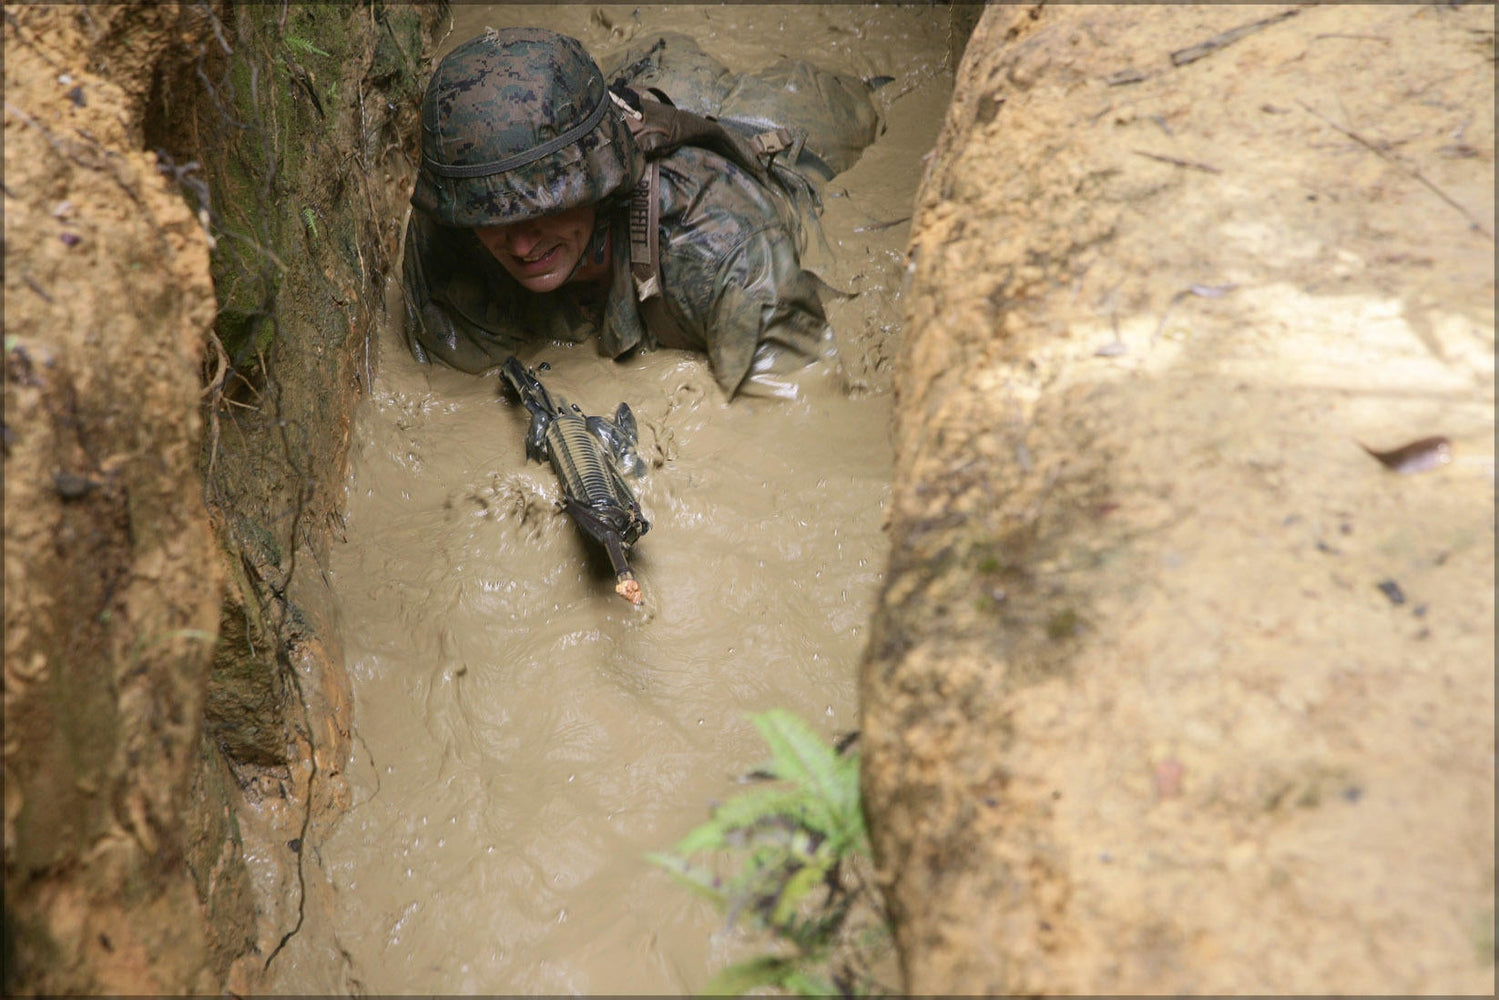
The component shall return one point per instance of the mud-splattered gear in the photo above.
(660, 129)
(728, 225)
(517, 124)
(829, 116)
(590, 456)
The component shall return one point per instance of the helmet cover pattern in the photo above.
(518, 124)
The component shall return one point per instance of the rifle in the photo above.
(589, 455)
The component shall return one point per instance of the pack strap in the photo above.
(645, 259)
(768, 144)
(659, 127)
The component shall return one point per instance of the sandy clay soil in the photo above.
(1175, 687)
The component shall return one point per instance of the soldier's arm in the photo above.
(451, 312)
(768, 320)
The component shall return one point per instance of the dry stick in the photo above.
(1124, 76)
(1414, 172)
(1339, 34)
(1192, 53)
(1177, 162)
(32, 284)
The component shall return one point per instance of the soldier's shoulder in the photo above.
(706, 192)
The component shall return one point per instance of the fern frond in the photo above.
(807, 985)
(699, 880)
(850, 802)
(758, 806)
(738, 979)
(782, 849)
(797, 752)
(304, 46)
(799, 755)
(709, 836)
(796, 889)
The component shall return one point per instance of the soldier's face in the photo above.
(541, 253)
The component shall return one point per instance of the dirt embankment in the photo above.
(186, 290)
(1173, 687)
(111, 573)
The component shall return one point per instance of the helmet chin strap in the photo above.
(598, 243)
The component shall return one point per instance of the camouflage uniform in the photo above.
(832, 111)
(729, 244)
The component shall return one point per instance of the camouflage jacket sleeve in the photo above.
(732, 271)
(462, 308)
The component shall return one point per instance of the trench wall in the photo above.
(196, 247)
(1151, 704)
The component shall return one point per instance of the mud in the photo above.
(524, 736)
(1174, 688)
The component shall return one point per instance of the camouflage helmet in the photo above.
(517, 124)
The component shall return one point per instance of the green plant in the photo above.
(803, 855)
(305, 47)
(309, 221)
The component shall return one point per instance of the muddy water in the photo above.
(523, 735)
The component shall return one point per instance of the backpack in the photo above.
(659, 128)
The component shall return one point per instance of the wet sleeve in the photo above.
(767, 318)
(455, 313)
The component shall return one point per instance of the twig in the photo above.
(218, 28)
(1177, 162)
(32, 284)
(1192, 53)
(1414, 172)
(1126, 76)
(317, 560)
(213, 441)
(46, 132)
(221, 367)
(1339, 34)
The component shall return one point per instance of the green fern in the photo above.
(800, 844)
(741, 977)
(798, 756)
(304, 46)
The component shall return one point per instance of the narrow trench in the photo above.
(523, 737)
